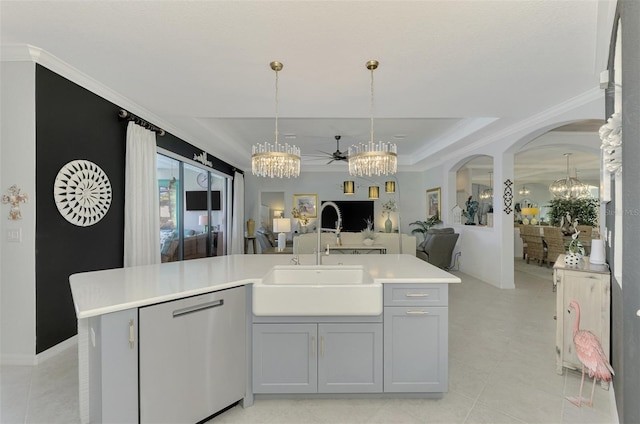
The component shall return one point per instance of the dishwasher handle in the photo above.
(197, 308)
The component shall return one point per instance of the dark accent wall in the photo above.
(630, 205)
(72, 123)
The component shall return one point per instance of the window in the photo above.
(193, 212)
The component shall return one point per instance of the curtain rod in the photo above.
(123, 114)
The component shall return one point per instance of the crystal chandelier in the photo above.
(569, 188)
(524, 191)
(487, 194)
(372, 158)
(275, 160)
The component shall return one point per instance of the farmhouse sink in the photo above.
(317, 290)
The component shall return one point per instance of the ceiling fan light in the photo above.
(348, 187)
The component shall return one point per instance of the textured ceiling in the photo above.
(450, 72)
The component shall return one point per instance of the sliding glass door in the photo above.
(193, 210)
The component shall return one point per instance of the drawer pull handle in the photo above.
(417, 313)
(417, 295)
(197, 308)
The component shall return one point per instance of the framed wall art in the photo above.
(433, 203)
(306, 204)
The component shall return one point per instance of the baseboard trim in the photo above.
(55, 350)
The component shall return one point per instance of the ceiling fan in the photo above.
(335, 156)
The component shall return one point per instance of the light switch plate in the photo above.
(14, 235)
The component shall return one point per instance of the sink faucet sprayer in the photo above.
(319, 230)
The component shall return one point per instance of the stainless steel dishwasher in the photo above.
(192, 356)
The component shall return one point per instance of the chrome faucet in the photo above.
(319, 229)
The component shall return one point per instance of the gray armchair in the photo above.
(266, 239)
(437, 248)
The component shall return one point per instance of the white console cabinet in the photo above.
(590, 286)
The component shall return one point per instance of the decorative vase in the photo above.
(251, 227)
(367, 242)
(572, 259)
(387, 225)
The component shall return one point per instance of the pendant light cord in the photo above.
(276, 132)
(371, 110)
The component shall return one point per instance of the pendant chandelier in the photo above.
(569, 188)
(524, 191)
(372, 158)
(275, 160)
(487, 194)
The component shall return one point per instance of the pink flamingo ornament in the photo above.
(590, 353)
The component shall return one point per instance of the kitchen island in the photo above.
(130, 321)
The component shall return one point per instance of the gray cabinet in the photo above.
(317, 358)
(284, 358)
(192, 356)
(416, 338)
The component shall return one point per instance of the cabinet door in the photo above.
(192, 357)
(592, 292)
(284, 358)
(415, 349)
(113, 367)
(350, 358)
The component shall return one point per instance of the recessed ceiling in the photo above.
(450, 72)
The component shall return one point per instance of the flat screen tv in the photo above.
(197, 200)
(354, 213)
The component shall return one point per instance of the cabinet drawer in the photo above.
(415, 295)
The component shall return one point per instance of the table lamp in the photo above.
(282, 226)
(203, 220)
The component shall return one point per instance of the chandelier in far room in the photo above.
(371, 158)
(487, 194)
(569, 187)
(275, 160)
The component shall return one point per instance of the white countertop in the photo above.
(100, 292)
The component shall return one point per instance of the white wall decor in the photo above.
(82, 192)
(14, 198)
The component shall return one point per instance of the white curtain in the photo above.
(141, 204)
(237, 221)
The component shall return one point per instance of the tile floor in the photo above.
(501, 370)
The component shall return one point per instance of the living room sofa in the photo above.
(306, 243)
(195, 246)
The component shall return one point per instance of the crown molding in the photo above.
(529, 124)
(29, 53)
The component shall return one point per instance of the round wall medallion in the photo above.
(82, 192)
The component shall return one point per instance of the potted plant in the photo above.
(423, 226)
(584, 210)
(302, 219)
(368, 235)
